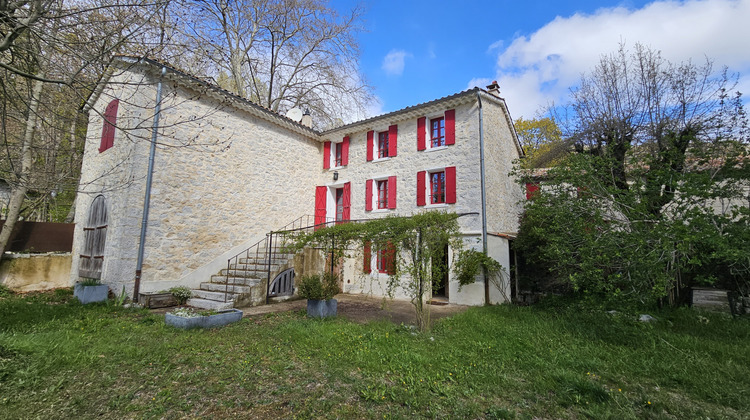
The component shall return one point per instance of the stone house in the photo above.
(174, 205)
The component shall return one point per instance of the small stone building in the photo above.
(180, 176)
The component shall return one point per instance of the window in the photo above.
(382, 144)
(437, 132)
(383, 194)
(367, 263)
(94, 237)
(386, 145)
(437, 187)
(380, 193)
(442, 131)
(108, 128)
(339, 155)
(387, 259)
(320, 206)
(439, 184)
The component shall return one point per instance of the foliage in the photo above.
(5, 291)
(412, 240)
(87, 281)
(541, 140)
(471, 263)
(181, 293)
(319, 287)
(185, 312)
(562, 361)
(655, 199)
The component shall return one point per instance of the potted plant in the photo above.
(187, 318)
(319, 292)
(90, 290)
(181, 294)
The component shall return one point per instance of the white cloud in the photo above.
(393, 62)
(536, 70)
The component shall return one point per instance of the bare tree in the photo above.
(280, 54)
(52, 54)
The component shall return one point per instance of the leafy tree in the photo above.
(656, 197)
(541, 140)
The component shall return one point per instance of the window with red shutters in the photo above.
(320, 206)
(437, 187)
(345, 151)
(110, 122)
(437, 132)
(383, 194)
(383, 144)
(339, 204)
(368, 195)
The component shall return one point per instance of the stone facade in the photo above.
(226, 172)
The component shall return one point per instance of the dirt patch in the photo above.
(357, 308)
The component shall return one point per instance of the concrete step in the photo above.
(246, 272)
(262, 261)
(232, 288)
(247, 281)
(253, 266)
(207, 294)
(209, 304)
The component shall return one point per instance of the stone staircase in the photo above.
(243, 283)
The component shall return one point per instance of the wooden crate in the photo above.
(157, 299)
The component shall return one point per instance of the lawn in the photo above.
(59, 359)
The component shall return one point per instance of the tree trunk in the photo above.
(18, 191)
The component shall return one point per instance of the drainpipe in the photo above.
(149, 180)
(484, 195)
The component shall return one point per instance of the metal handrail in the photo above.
(255, 248)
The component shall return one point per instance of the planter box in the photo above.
(224, 317)
(321, 308)
(89, 294)
(154, 300)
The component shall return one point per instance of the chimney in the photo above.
(494, 88)
(306, 119)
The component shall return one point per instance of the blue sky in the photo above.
(415, 51)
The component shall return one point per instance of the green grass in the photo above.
(59, 359)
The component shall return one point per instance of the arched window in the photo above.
(110, 122)
(94, 236)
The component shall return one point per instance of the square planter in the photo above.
(321, 308)
(89, 294)
(224, 317)
(154, 300)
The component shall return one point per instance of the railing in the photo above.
(269, 253)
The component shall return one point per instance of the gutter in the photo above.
(484, 195)
(149, 180)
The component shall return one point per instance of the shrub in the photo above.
(317, 287)
(181, 293)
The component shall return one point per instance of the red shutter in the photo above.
(320, 206)
(347, 201)
(326, 155)
(531, 189)
(369, 145)
(368, 195)
(108, 128)
(450, 127)
(450, 184)
(421, 133)
(345, 152)
(392, 140)
(367, 264)
(391, 191)
(421, 175)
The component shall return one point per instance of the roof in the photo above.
(187, 80)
